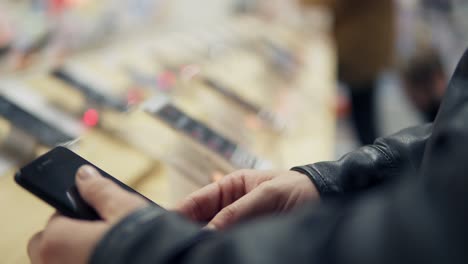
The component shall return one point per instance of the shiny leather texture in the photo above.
(388, 158)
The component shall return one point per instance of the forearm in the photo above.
(371, 165)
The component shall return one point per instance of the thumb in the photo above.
(255, 203)
(110, 201)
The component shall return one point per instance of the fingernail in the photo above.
(86, 172)
(210, 227)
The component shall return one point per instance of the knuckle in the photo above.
(115, 202)
(271, 189)
(237, 174)
(228, 213)
(101, 189)
(49, 247)
(194, 208)
(128, 202)
(110, 207)
(245, 172)
(92, 188)
(226, 217)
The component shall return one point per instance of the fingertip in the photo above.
(82, 179)
(86, 172)
(222, 220)
(179, 208)
(211, 227)
(189, 208)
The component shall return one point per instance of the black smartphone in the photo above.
(51, 178)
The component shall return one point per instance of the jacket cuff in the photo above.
(320, 182)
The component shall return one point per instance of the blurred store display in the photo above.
(241, 87)
(167, 96)
(51, 29)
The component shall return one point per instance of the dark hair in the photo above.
(421, 67)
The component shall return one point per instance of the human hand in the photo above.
(245, 194)
(71, 241)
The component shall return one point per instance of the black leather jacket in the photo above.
(402, 200)
(387, 159)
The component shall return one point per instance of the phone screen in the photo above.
(51, 177)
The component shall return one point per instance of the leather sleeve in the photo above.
(148, 236)
(370, 165)
(395, 225)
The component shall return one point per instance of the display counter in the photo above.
(168, 113)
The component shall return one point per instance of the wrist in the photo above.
(318, 183)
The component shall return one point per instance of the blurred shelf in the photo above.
(267, 73)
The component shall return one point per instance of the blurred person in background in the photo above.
(6, 34)
(424, 81)
(365, 35)
(431, 39)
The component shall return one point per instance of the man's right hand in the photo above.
(245, 194)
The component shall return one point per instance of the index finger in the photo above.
(207, 202)
(203, 204)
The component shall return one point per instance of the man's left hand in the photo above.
(71, 241)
